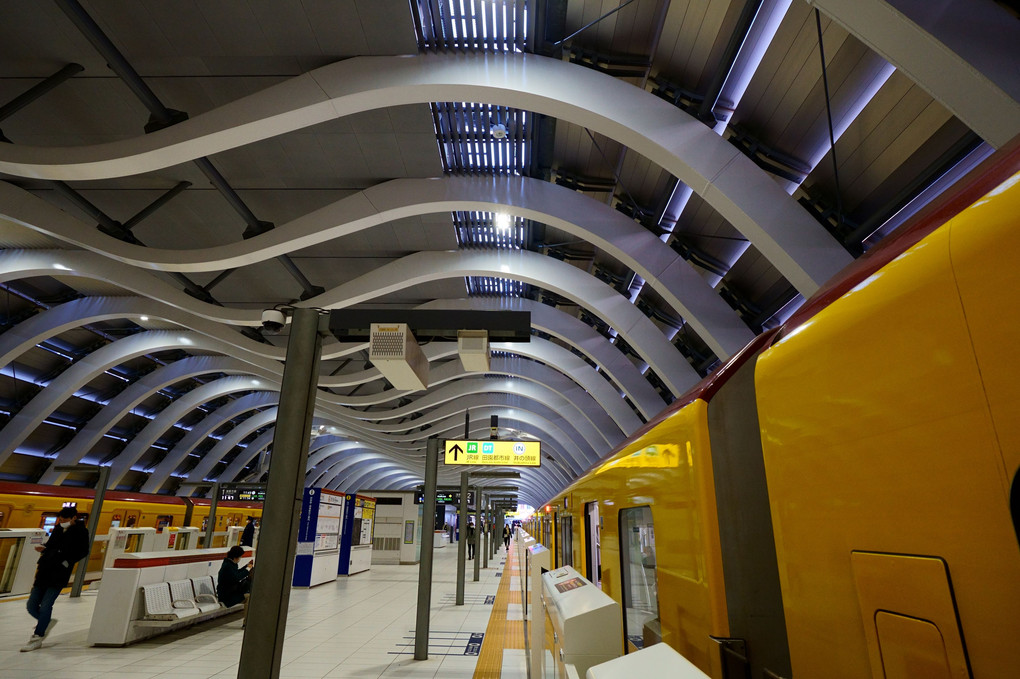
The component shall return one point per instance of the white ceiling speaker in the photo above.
(498, 131)
(394, 350)
(473, 349)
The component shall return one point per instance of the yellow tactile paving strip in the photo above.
(501, 633)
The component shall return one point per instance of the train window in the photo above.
(593, 550)
(637, 562)
(162, 521)
(48, 521)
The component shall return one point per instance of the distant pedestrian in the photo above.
(68, 544)
(506, 537)
(248, 534)
(471, 541)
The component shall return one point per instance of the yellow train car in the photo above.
(842, 498)
(27, 505)
(892, 443)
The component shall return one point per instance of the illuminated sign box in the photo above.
(494, 453)
(242, 492)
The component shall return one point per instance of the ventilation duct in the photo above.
(395, 351)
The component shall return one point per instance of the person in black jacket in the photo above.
(248, 534)
(68, 544)
(233, 582)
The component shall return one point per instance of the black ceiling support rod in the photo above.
(164, 117)
(149, 209)
(38, 90)
(592, 23)
(746, 19)
(112, 227)
(828, 113)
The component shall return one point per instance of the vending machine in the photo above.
(358, 532)
(318, 548)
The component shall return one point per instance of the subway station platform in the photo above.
(359, 626)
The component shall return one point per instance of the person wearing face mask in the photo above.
(68, 544)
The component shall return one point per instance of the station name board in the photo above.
(242, 492)
(494, 453)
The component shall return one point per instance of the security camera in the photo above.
(273, 320)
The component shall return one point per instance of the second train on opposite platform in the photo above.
(841, 498)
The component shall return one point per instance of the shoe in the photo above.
(49, 627)
(33, 644)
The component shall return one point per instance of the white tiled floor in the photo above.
(361, 626)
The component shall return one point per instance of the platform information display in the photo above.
(494, 453)
(242, 492)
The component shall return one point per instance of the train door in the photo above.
(565, 541)
(592, 545)
(637, 566)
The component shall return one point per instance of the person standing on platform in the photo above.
(506, 537)
(248, 534)
(471, 541)
(68, 544)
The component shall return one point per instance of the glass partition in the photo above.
(637, 557)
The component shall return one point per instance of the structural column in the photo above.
(262, 647)
(462, 520)
(421, 629)
(478, 534)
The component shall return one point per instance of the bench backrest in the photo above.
(157, 599)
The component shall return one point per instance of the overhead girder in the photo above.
(730, 182)
(660, 266)
(544, 352)
(582, 336)
(550, 427)
(179, 453)
(254, 449)
(529, 267)
(964, 54)
(449, 399)
(539, 270)
(173, 341)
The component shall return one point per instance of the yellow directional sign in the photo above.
(495, 453)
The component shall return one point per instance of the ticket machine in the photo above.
(18, 557)
(587, 625)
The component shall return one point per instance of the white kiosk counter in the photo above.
(659, 661)
(587, 625)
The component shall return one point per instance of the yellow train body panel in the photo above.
(674, 455)
(890, 431)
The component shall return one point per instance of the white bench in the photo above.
(144, 595)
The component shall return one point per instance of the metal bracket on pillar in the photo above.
(93, 524)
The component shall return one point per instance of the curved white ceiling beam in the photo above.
(538, 270)
(544, 383)
(544, 352)
(964, 55)
(679, 284)
(180, 451)
(126, 401)
(253, 450)
(730, 182)
(573, 331)
(550, 425)
(139, 445)
(68, 382)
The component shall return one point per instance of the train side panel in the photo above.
(888, 485)
(669, 471)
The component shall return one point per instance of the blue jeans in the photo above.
(40, 606)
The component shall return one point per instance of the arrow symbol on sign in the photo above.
(456, 449)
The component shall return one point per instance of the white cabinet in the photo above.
(587, 627)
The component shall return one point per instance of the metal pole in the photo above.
(428, 513)
(262, 648)
(190, 511)
(485, 563)
(210, 523)
(478, 535)
(93, 524)
(462, 520)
